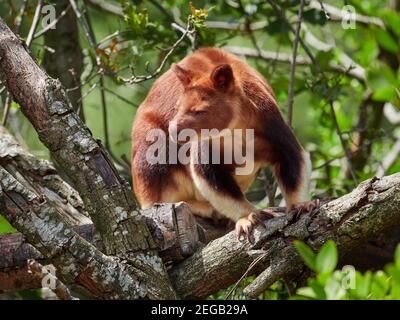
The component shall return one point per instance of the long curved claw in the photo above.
(248, 233)
(267, 214)
(303, 207)
(258, 218)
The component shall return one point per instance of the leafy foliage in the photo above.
(347, 283)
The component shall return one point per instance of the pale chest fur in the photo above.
(184, 187)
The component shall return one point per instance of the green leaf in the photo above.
(363, 283)
(382, 81)
(5, 226)
(15, 105)
(394, 272)
(392, 20)
(318, 289)
(397, 257)
(306, 253)
(386, 40)
(276, 27)
(380, 285)
(334, 290)
(384, 94)
(307, 292)
(324, 58)
(314, 16)
(327, 258)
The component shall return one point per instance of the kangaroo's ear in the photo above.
(185, 76)
(222, 77)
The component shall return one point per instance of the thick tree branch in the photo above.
(107, 197)
(59, 288)
(66, 63)
(368, 211)
(172, 226)
(40, 175)
(365, 214)
(76, 260)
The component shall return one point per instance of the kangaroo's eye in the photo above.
(199, 112)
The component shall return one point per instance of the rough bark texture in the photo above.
(368, 211)
(67, 60)
(42, 177)
(107, 197)
(174, 243)
(76, 259)
(172, 226)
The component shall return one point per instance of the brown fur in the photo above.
(214, 89)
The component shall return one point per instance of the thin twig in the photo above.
(104, 111)
(303, 45)
(346, 150)
(88, 34)
(19, 19)
(35, 23)
(324, 10)
(138, 79)
(248, 28)
(157, 4)
(178, 27)
(335, 14)
(84, 20)
(244, 275)
(293, 62)
(108, 7)
(92, 40)
(6, 111)
(88, 79)
(121, 97)
(90, 90)
(330, 99)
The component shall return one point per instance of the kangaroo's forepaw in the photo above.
(245, 225)
(305, 207)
